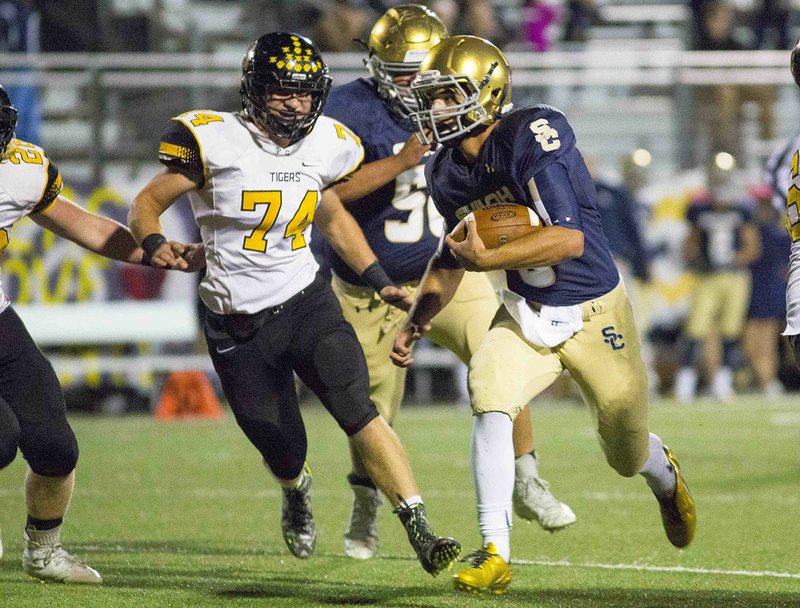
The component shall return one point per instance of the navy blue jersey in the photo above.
(769, 273)
(618, 210)
(530, 159)
(720, 229)
(401, 224)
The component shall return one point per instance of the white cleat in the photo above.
(361, 537)
(44, 558)
(533, 501)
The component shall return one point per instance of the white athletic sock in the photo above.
(658, 471)
(526, 466)
(413, 500)
(686, 384)
(493, 469)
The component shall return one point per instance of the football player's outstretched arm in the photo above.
(437, 288)
(345, 236)
(545, 247)
(372, 176)
(144, 220)
(93, 232)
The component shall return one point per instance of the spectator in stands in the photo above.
(718, 106)
(716, 31)
(333, 24)
(538, 18)
(722, 243)
(768, 17)
(767, 311)
(580, 16)
(340, 23)
(476, 17)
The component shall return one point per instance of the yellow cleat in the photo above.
(487, 572)
(678, 513)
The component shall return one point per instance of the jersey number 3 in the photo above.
(257, 239)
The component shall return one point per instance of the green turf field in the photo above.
(183, 514)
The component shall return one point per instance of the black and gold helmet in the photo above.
(8, 120)
(795, 63)
(282, 61)
(398, 42)
(474, 74)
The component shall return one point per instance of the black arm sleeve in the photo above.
(51, 189)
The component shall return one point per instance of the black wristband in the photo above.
(150, 244)
(375, 276)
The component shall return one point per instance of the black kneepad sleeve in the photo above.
(54, 457)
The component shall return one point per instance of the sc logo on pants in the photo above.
(612, 338)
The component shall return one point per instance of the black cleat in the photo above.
(435, 553)
(297, 521)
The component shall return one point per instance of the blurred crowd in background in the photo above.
(667, 249)
(538, 25)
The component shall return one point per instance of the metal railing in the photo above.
(643, 88)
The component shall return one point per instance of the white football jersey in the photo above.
(792, 202)
(256, 203)
(29, 183)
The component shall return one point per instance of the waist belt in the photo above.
(241, 326)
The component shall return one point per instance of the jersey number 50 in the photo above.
(410, 195)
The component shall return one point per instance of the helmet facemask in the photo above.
(453, 122)
(285, 124)
(383, 73)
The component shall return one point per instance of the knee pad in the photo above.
(51, 455)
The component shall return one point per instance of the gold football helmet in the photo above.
(473, 79)
(397, 44)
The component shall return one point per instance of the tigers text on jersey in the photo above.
(256, 202)
(400, 222)
(530, 159)
(720, 229)
(29, 183)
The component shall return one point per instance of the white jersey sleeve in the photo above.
(29, 183)
(345, 150)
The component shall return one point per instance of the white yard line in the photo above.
(670, 569)
(121, 548)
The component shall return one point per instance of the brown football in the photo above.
(500, 224)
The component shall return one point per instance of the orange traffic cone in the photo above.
(188, 395)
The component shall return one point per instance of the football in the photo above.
(499, 224)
